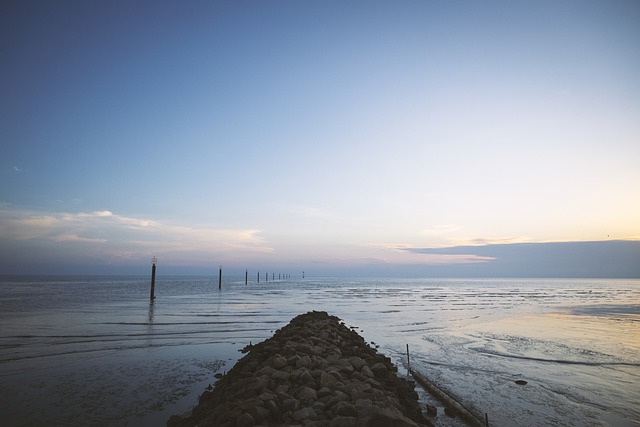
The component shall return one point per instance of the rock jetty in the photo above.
(314, 372)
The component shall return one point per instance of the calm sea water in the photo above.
(93, 351)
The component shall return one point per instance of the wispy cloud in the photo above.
(408, 254)
(609, 258)
(441, 229)
(119, 236)
(305, 212)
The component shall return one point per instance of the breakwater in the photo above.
(313, 372)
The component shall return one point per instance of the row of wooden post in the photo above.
(281, 276)
(152, 295)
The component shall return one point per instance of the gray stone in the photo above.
(318, 406)
(379, 370)
(290, 405)
(304, 414)
(357, 362)
(267, 370)
(281, 376)
(367, 372)
(343, 422)
(366, 408)
(306, 378)
(258, 413)
(323, 392)
(279, 361)
(304, 362)
(245, 420)
(306, 393)
(344, 409)
(327, 380)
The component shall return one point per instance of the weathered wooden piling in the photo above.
(220, 278)
(246, 277)
(152, 293)
(450, 403)
(258, 281)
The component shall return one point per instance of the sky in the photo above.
(404, 137)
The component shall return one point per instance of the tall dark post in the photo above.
(266, 276)
(152, 294)
(303, 274)
(273, 276)
(246, 276)
(220, 278)
(258, 277)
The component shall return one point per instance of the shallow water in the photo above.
(92, 350)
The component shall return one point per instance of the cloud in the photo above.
(112, 236)
(412, 255)
(441, 229)
(612, 258)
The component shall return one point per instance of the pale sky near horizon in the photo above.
(277, 133)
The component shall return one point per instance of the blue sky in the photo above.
(326, 136)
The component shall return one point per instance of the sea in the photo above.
(94, 351)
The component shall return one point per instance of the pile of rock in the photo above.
(313, 372)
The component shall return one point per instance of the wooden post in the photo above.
(152, 294)
(266, 276)
(246, 277)
(486, 419)
(408, 361)
(220, 278)
(303, 274)
(258, 277)
(273, 276)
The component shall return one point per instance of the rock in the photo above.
(273, 408)
(357, 363)
(390, 419)
(307, 393)
(521, 382)
(324, 392)
(245, 420)
(366, 408)
(267, 370)
(304, 362)
(327, 380)
(367, 372)
(343, 422)
(313, 372)
(379, 370)
(344, 409)
(304, 414)
(280, 376)
(279, 361)
(306, 378)
(290, 405)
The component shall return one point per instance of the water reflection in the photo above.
(151, 312)
(150, 318)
